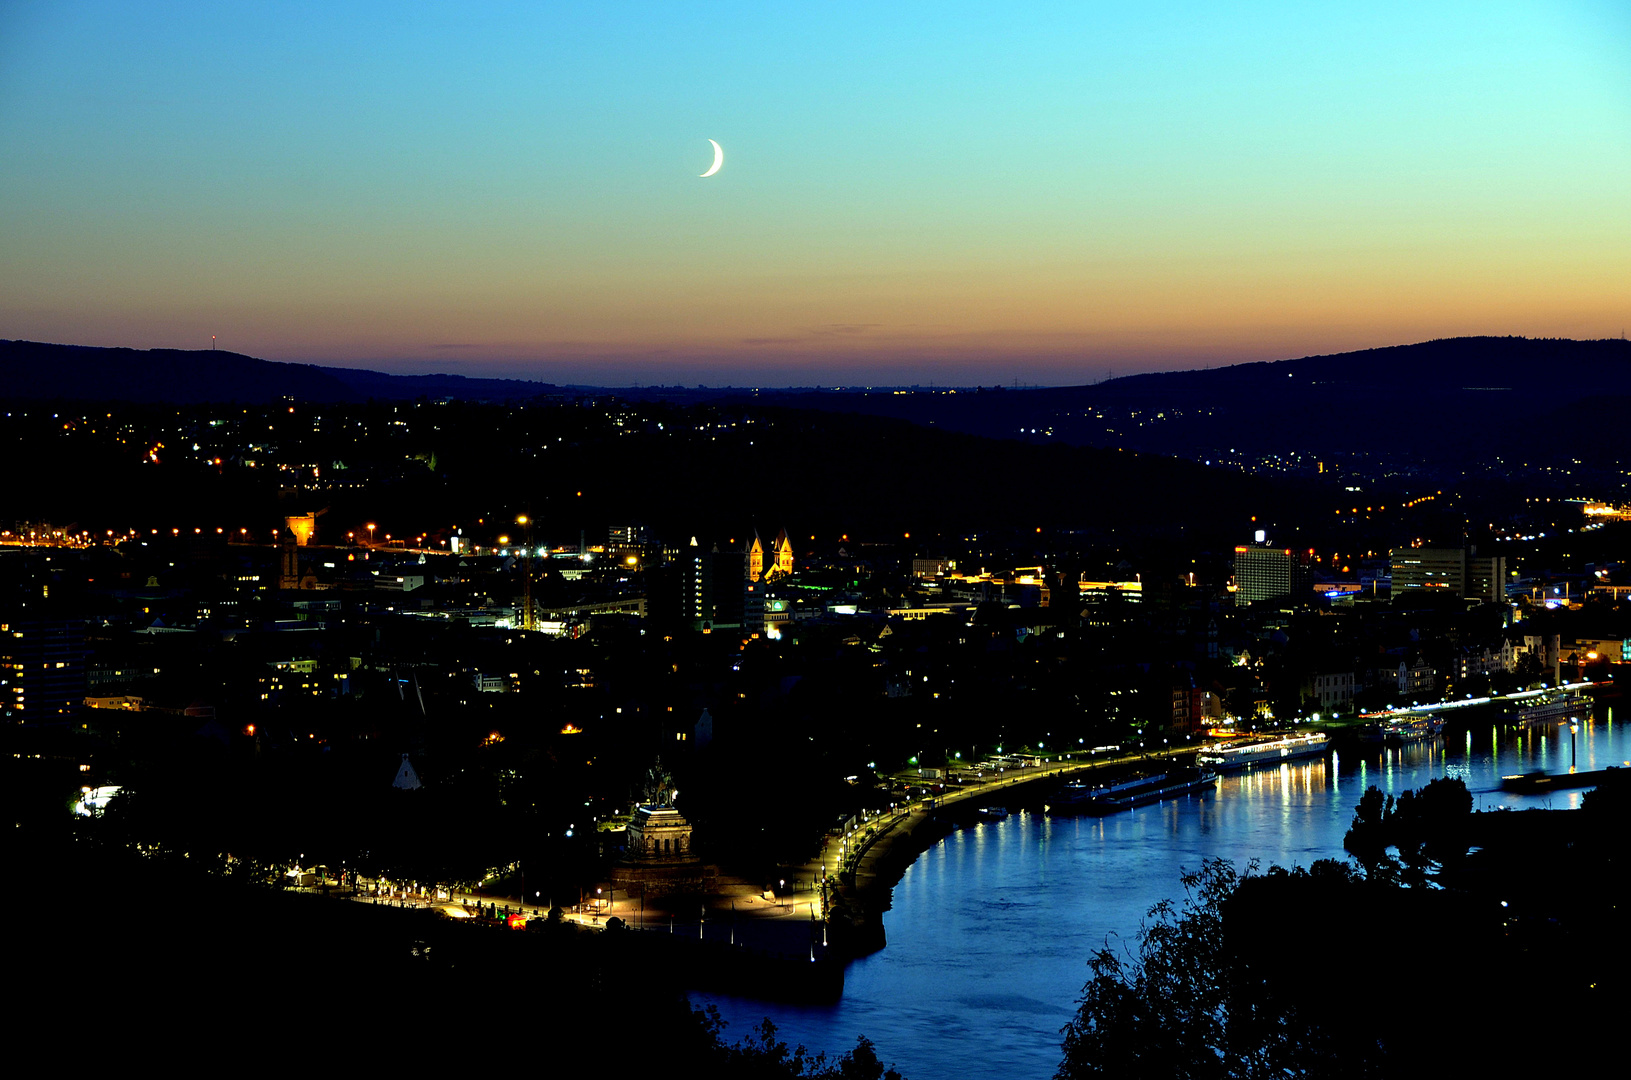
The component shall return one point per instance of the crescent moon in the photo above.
(719, 159)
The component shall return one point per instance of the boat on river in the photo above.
(1399, 730)
(1175, 783)
(1563, 707)
(1099, 800)
(1539, 783)
(1079, 798)
(1243, 755)
(1412, 729)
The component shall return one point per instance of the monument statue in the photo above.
(658, 857)
(659, 788)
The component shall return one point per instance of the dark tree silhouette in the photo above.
(1189, 1005)
(1428, 827)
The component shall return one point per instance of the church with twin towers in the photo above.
(780, 554)
(718, 589)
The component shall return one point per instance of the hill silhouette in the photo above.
(1453, 399)
(36, 370)
(33, 370)
(1453, 407)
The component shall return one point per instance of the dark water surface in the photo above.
(991, 928)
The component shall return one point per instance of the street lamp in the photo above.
(371, 528)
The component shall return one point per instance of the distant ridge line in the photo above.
(40, 370)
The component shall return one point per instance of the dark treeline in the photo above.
(1430, 956)
(424, 467)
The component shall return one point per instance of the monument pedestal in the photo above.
(657, 861)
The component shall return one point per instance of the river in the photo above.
(991, 929)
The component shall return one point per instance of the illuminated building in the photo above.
(1428, 569)
(1610, 650)
(288, 560)
(42, 669)
(1486, 578)
(1268, 573)
(782, 550)
(1415, 676)
(780, 555)
(1451, 570)
(626, 536)
(301, 526)
(928, 569)
(754, 600)
(713, 587)
(1332, 689)
(659, 859)
(1548, 649)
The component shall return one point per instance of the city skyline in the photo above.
(699, 536)
(1048, 196)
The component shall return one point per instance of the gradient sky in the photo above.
(911, 192)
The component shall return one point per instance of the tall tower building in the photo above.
(1486, 578)
(713, 587)
(42, 669)
(1267, 573)
(1428, 569)
(1445, 569)
(783, 552)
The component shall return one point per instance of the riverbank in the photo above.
(990, 931)
(862, 891)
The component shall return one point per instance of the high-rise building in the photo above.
(1269, 573)
(42, 669)
(1486, 578)
(1451, 570)
(713, 587)
(626, 536)
(1428, 569)
(754, 598)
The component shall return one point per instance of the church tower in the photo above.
(782, 550)
(756, 558)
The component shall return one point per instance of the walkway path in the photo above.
(784, 918)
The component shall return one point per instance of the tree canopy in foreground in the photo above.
(1187, 1004)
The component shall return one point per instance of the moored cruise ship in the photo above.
(1226, 757)
(1399, 730)
(1409, 729)
(1555, 710)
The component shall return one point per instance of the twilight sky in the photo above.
(911, 192)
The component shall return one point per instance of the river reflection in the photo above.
(991, 929)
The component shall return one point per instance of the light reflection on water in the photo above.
(991, 929)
